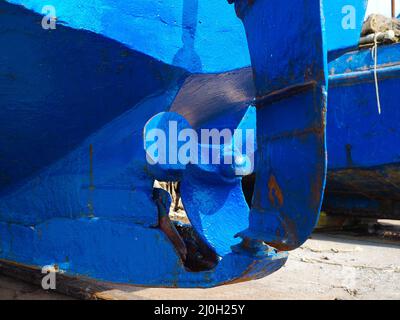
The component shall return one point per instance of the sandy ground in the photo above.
(326, 267)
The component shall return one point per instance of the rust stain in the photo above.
(376, 183)
(246, 275)
(275, 192)
(281, 247)
(316, 189)
(287, 241)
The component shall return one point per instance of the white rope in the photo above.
(375, 57)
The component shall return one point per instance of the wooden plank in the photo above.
(76, 287)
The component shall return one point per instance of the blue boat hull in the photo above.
(363, 145)
(76, 189)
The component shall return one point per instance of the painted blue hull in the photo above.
(76, 190)
(75, 186)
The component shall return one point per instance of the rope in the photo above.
(375, 57)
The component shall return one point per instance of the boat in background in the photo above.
(364, 144)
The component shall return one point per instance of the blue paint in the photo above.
(74, 106)
(218, 185)
(196, 35)
(353, 117)
(77, 99)
(364, 156)
(291, 103)
(124, 252)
